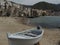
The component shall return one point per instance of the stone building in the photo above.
(9, 8)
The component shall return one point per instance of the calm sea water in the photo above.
(47, 21)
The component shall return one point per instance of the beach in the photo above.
(9, 24)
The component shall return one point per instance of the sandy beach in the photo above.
(9, 24)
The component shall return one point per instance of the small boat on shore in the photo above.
(27, 37)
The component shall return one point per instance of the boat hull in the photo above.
(21, 41)
(24, 41)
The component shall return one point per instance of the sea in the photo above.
(46, 21)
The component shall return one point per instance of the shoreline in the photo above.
(50, 37)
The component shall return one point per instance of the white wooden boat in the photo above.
(27, 37)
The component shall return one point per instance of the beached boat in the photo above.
(27, 37)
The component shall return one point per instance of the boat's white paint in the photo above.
(20, 40)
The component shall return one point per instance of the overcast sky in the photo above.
(31, 2)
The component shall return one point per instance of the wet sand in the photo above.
(50, 37)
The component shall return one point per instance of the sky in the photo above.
(31, 2)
